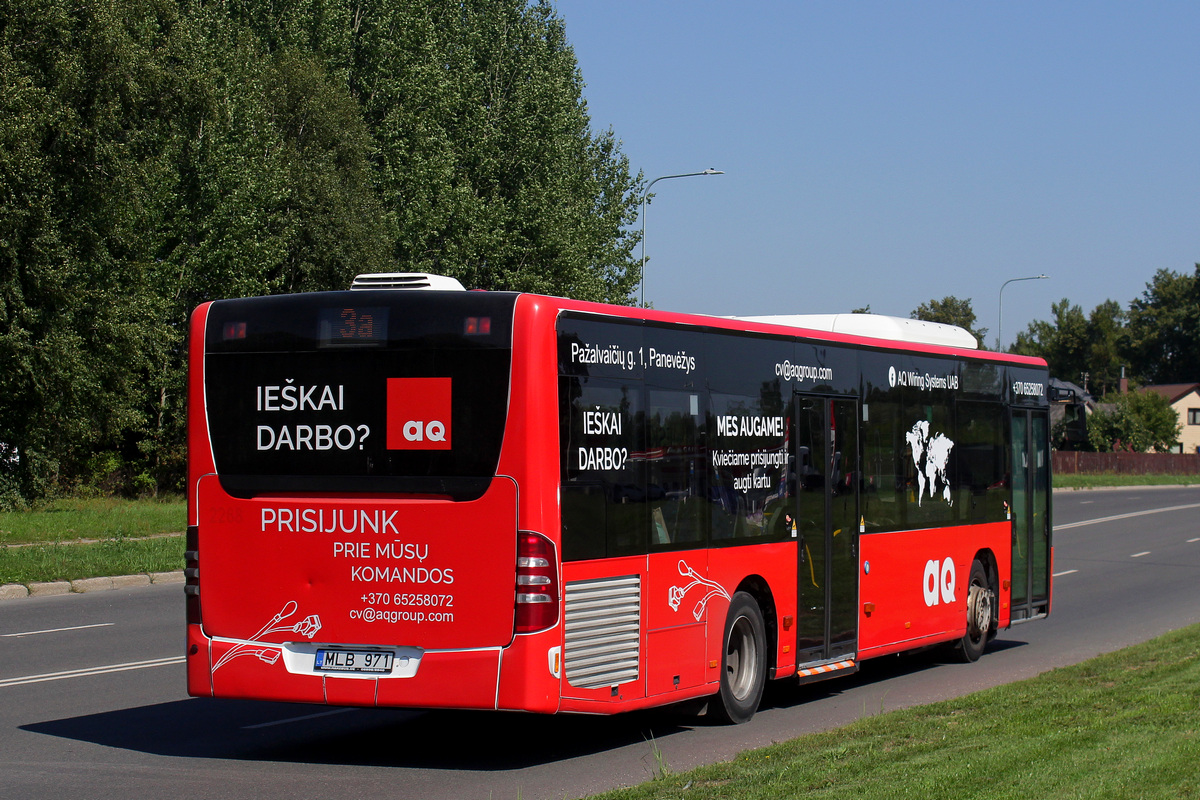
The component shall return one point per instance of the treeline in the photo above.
(155, 154)
(1155, 339)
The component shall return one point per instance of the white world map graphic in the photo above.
(930, 455)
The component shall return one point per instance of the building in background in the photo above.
(1185, 399)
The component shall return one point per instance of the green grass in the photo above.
(68, 562)
(1102, 481)
(98, 518)
(1123, 725)
(43, 545)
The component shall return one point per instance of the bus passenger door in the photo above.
(827, 521)
(1030, 515)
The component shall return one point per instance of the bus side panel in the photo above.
(913, 584)
(531, 447)
(530, 455)
(582, 695)
(680, 603)
(200, 459)
(684, 602)
(775, 565)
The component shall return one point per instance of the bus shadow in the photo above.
(785, 694)
(450, 740)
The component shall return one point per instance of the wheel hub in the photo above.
(981, 600)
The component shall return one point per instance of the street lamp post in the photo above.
(709, 171)
(1000, 319)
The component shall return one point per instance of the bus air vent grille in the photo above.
(603, 631)
(405, 280)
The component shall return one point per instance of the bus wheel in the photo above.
(744, 671)
(981, 614)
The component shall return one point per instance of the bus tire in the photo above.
(981, 615)
(744, 662)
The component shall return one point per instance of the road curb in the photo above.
(15, 591)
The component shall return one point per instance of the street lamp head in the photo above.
(645, 199)
(1000, 320)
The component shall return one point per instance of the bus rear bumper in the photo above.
(463, 679)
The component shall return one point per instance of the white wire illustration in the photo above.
(676, 593)
(269, 653)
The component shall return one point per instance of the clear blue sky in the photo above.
(889, 153)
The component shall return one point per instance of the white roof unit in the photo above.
(406, 280)
(878, 326)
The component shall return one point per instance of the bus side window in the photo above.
(675, 469)
(980, 461)
(603, 496)
(750, 466)
(584, 521)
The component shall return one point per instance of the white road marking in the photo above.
(1123, 516)
(1139, 555)
(87, 671)
(59, 630)
(1193, 541)
(290, 720)
(1068, 572)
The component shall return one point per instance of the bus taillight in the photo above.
(537, 583)
(191, 573)
(477, 326)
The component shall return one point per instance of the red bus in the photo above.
(489, 500)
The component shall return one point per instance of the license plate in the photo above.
(353, 661)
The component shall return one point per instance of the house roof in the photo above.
(1174, 391)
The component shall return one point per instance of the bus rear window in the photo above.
(373, 392)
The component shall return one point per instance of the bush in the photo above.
(26, 477)
(1135, 421)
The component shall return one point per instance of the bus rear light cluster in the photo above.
(477, 326)
(191, 574)
(537, 583)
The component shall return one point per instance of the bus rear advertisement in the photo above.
(440, 498)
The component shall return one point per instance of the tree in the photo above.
(951, 311)
(1164, 328)
(1135, 421)
(484, 151)
(81, 182)
(158, 154)
(1062, 342)
(1087, 350)
(1107, 346)
(1155, 339)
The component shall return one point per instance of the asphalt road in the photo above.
(92, 700)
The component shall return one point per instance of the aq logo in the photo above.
(939, 582)
(418, 414)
